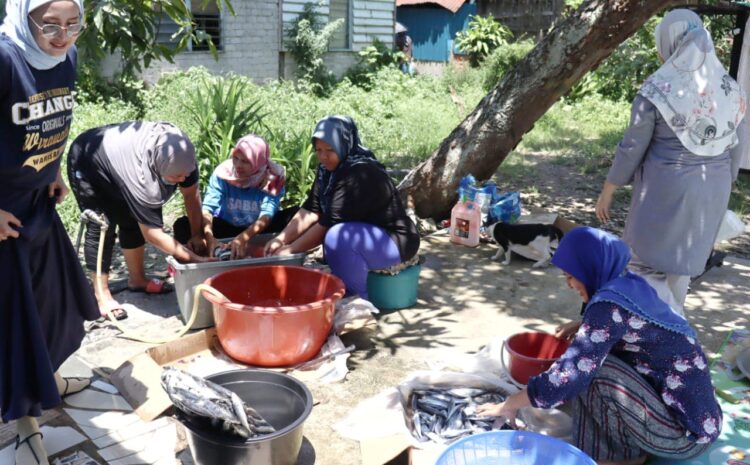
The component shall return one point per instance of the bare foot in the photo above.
(636, 461)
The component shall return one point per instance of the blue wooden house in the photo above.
(433, 25)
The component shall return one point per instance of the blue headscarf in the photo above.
(599, 260)
(341, 133)
(16, 27)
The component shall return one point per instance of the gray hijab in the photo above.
(16, 27)
(142, 153)
(341, 133)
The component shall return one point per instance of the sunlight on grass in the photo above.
(590, 128)
(516, 165)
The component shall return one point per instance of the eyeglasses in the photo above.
(53, 30)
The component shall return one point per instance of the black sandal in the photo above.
(66, 391)
(19, 443)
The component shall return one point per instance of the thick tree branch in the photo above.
(483, 140)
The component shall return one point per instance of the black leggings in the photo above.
(223, 229)
(116, 210)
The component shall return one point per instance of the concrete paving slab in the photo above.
(75, 367)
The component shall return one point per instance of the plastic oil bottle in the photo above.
(466, 217)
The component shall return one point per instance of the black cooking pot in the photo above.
(281, 399)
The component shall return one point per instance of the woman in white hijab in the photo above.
(676, 154)
(44, 295)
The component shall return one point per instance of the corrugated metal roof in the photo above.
(452, 5)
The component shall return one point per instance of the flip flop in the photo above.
(154, 286)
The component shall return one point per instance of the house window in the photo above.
(207, 19)
(340, 9)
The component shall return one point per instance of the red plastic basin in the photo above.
(532, 353)
(277, 315)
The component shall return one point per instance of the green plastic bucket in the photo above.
(393, 292)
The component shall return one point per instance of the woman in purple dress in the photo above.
(44, 295)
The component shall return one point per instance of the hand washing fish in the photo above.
(198, 397)
(446, 415)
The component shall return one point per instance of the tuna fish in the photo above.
(212, 403)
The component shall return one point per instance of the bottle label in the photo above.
(461, 229)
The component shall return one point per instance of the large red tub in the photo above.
(276, 315)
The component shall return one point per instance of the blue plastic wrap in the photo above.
(506, 209)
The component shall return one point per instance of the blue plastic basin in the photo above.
(512, 448)
(393, 292)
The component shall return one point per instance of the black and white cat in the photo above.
(532, 241)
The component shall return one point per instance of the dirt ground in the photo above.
(465, 300)
(571, 186)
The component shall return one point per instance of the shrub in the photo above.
(298, 156)
(222, 119)
(307, 41)
(91, 86)
(372, 59)
(482, 37)
(620, 76)
(503, 59)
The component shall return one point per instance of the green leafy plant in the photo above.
(620, 76)
(307, 41)
(585, 87)
(372, 59)
(502, 59)
(483, 35)
(218, 111)
(131, 27)
(297, 155)
(92, 87)
(722, 29)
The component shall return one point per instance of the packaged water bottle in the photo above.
(466, 218)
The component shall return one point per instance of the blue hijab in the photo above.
(599, 260)
(341, 133)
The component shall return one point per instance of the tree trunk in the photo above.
(483, 140)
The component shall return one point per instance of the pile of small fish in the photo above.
(446, 415)
(204, 400)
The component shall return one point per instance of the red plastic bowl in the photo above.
(277, 315)
(532, 353)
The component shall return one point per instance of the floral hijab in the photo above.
(700, 102)
(599, 260)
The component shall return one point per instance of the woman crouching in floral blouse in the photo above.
(635, 372)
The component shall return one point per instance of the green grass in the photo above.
(739, 201)
(403, 120)
(590, 128)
